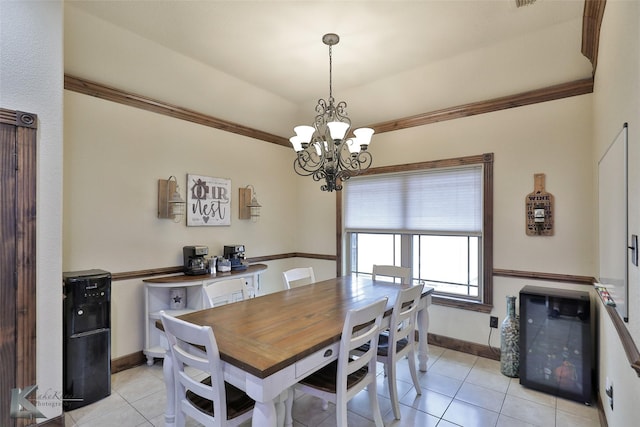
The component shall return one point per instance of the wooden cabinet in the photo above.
(158, 293)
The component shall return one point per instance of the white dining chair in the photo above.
(298, 277)
(392, 271)
(399, 341)
(211, 401)
(224, 292)
(342, 379)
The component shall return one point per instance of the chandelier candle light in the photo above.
(323, 150)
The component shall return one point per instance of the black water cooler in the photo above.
(87, 337)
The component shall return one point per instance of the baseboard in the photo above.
(601, 415)
(126, 362)
(464, 346)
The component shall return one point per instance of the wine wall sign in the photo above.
(208, 201)
(539, 209)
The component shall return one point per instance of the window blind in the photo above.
(444, 200)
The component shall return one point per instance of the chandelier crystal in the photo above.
(323, 150)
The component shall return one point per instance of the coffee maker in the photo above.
(235, 254)
(194, 261)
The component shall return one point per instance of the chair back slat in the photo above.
(224, 292)
(344, 378)
(361, 326)
(298, 274)
(195, 356)
(404, 316)
(400, 341)
(392, 271)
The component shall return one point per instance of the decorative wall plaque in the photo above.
(208, 201)
(539, 209)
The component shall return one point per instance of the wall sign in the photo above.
(539, 209)
(208, 201)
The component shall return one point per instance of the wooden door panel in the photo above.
(17, 256)
(7, 269)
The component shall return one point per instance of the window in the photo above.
(434, 217)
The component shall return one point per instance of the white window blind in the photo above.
(444, 200)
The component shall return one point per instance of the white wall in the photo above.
(126, 162)
(98, 50)
(115, 154)
(507, 67)
(31, 80)
(551, 138)
(616, 94)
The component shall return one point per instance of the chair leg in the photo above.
(341, 413)
(414, 374)
(375, 404)
(181, 419)
(393, 388)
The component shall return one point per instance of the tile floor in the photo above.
(458, 390)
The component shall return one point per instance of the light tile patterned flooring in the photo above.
(458, 390)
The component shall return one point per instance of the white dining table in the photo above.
(267, 344)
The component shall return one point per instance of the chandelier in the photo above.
(323, 150)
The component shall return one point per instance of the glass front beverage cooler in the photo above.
(556, 350)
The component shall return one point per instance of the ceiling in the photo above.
(395, 58)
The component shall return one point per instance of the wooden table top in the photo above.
(266, 334)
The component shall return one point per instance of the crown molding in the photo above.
(591, 23)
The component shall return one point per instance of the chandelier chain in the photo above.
(330, 76)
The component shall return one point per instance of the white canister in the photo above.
(224, 265)
(177, 298)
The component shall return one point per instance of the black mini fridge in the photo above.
(87, 337)
(556, 350)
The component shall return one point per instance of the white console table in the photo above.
(156, 299)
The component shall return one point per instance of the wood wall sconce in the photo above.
(170, 203)
(248, 206)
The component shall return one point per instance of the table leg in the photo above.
(423, 345)
(264, 415)
(167, 371)
(281, 410)
(288, 404)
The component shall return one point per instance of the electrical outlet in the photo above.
(609, 392)
(493, 322)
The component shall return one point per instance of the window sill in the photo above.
(461, 304)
